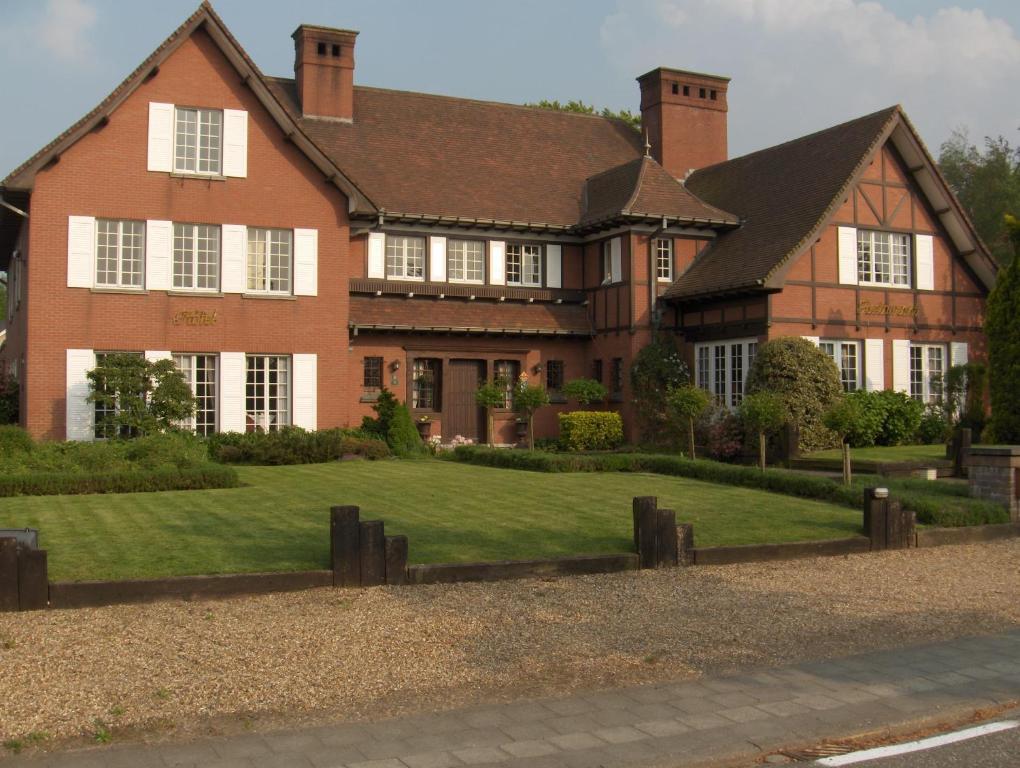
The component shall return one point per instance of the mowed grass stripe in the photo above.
(279, 519)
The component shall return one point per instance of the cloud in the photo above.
(802, 65)
(61, 28)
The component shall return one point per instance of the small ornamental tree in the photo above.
(845, 418)
(585, 391)
(807, 381)
(491, 395)
(385, 405)
(763, 413)
(685, 403)
(139, 396)
(402, 435)
(1002, 326)
(656, 368)
(527, 400)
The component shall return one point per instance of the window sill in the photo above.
(126, 291)
(886, 286)
(193, 294)
(369, 397)
(278, 296)
(664, 280)
(197, 176)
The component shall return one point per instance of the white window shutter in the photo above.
(306, 262)
(813, 339)
(305, 384)
(497, 262)
(81, 251)
(554, 266)
(234, 259)
(376, 254)
(846, 245)
(958, 353)
(81, 414)
(231, 385)
(161, 137)
(901, 365)
(874, 364)
(924, 262)
(235, 143)
(159, 255)
(437, 259)
(616, 260)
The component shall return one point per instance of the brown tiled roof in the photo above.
(458, 314)
(422, 154)
(643, 187)
(783, 195)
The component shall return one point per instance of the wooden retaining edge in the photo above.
(936, 537)
(86, 594)
(754, 553)
(447, 573)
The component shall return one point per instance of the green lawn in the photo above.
(279, 519)
(886, 453)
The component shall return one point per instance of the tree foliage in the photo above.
(491, 395)
(585, 391)
(763, 413)
(1002, 326)
(528, 399)
(139, 396)
(845, 417)
(656, 368)
(686, 403)
(633, 120)
(987, 183)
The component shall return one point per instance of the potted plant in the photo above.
(424, 424)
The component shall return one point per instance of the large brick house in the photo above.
(297, 244)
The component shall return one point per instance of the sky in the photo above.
(796, 65)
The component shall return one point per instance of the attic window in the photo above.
(701, 93)
(321, 49)
(711, 95)
(676, 88)
(687, 90)
(336, 51)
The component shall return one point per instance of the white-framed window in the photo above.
(465, 261)
(664, 259)
(270, 256)
(196, 257)
(847, 357)
(200, 373)
(198, 141)
(405, 257)
(721, 368)
(507, 372)
(120, 253)
(883, 258)
(267, 393)
(524, 264)
(927, 367)
(427, 383)
(607, 261)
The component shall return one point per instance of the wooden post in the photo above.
(665, 536)
(685, 544)
(900, 533)
(9, 575)
(961, 449)
(646, 529)
(876, 509)
(373, 553)
(344, 546)
(33, 581)
(396, 559)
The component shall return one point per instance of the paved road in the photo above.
(731, 719)
(999, 750)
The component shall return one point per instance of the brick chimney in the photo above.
(684, 117)
(324, 71)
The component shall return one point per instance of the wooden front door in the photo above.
(461, 414)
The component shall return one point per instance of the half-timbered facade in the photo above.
(295, 245)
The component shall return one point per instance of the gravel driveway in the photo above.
(324, 654)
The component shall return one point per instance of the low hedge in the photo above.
(950, 510)
(127, 481)
(293, 446)
(590, 430)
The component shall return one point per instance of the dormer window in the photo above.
(198, 141)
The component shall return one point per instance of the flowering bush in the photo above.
(657, 368)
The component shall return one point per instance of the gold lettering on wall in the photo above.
(892, 310)
(194, 317)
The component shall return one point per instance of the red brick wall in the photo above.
(105, 175)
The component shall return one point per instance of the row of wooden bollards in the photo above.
(24, 583)
(658, 540)
(360, 552)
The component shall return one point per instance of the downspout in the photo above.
(10, 207)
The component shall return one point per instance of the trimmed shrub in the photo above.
(385, 405)
(585, 391)
(9, 401)
(720, 432)
(1002, 326)
(864, 432)
(935, 425)
(807, 381)
(14, 440)
(403, 437)
(128, 481)
(901, 417)
(293, 446)
(590, 430)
